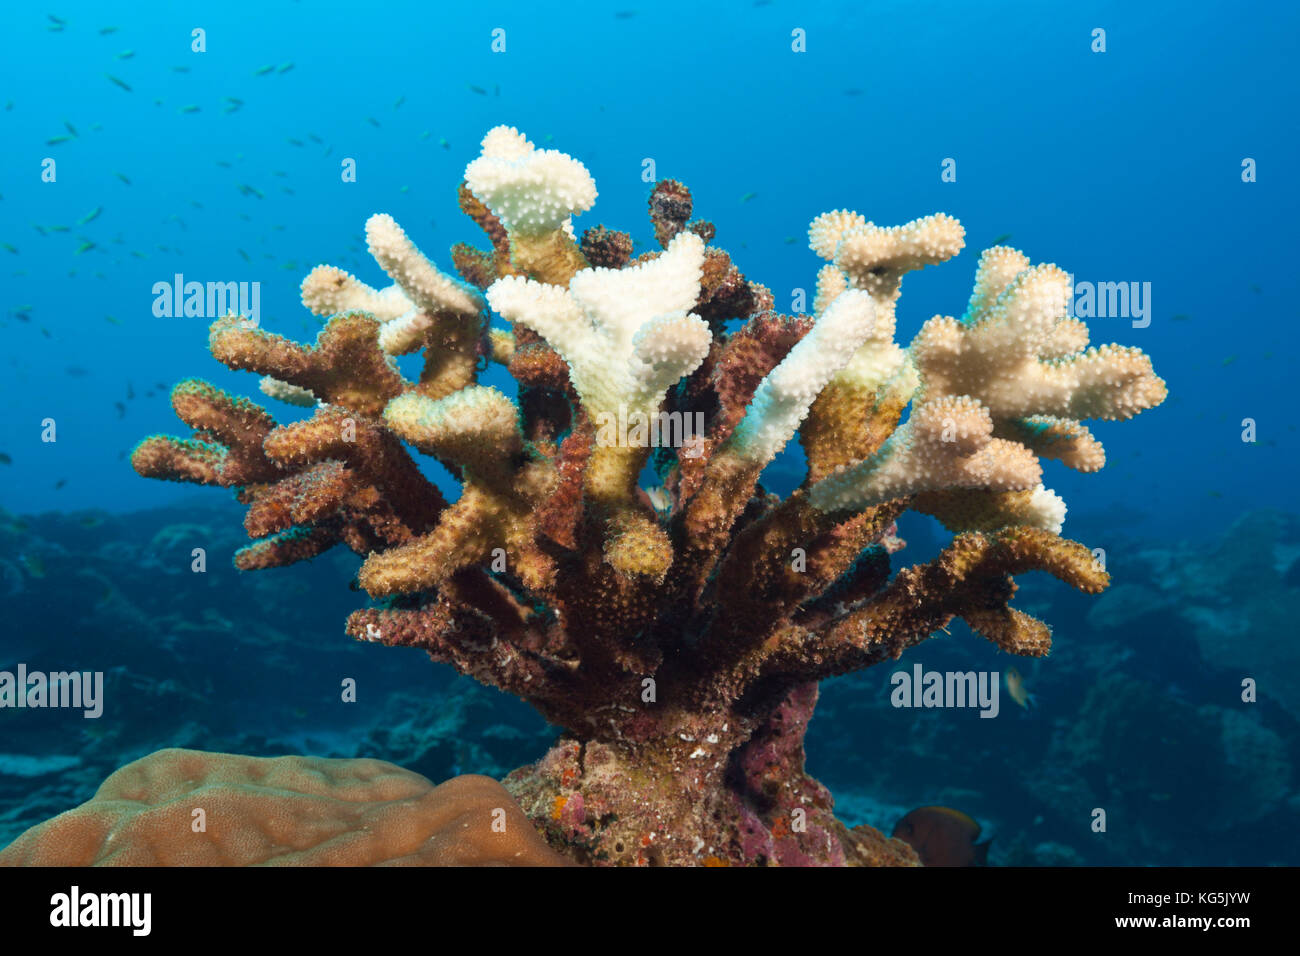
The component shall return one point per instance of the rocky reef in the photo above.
(677, 630)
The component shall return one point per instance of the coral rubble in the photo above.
(675, 633)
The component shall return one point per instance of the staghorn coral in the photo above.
(675, 633)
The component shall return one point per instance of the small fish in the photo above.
(1017, 690)
(853, 91)
(295, 142)
(113, 320)
(105, 31)
(263, 70)
(1181, 317)
(1005, 237)
(180, 69)
(942, 836)
(76, 371)
(121, 409)
(748, 196)
(122, 176)
(234, 99)
(496, 89)
(5, 459)
(1216, 494)
(476, 89)
(1255, 288)
(286, 68)
(8, 248)
(34, 565)
(60, 483)
(1229, 360)
(125, 55)
(130, 391)
(59, 20)
(624, 14)
(90, 216)
(46, 332)
(316, 139)
(373, 122)
(444, 144)
(790, 240)
(244, 255)
(60, 228)
(400, 101)
(247, 190)
(70, 128)
(118, 82)
(56, 140)
(85, 247)
(224, 164)
(188, 108)
(22, 317)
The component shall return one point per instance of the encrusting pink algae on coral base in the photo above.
(677, 633)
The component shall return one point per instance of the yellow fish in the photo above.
(1016, 688)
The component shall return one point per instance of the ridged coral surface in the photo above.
(192, 808)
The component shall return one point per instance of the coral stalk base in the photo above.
(664, 803)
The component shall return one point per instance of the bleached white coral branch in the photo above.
(532, 191)
(626, 334)
(420, 297)
(1024, 359)
(785, 395)
(289, 394)
(328, 290)
(875, 258)
(405, 333)
(425, 287)
(946, 443)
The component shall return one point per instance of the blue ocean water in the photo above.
(1120, 166)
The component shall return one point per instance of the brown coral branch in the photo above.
(226, 449)
(346, 366)
(606, 248)
(971, 578)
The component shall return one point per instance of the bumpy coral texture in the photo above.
(675, 631)
(192, 808)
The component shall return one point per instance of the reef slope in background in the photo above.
(270, 685)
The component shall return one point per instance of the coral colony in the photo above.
(675, 633)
